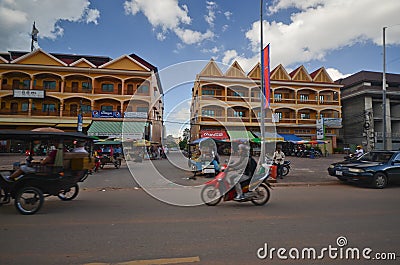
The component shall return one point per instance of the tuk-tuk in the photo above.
(203, 157)
(59, 179)
(109, 152)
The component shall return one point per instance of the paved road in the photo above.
(114, 221)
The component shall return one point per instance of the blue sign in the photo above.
(106, 114)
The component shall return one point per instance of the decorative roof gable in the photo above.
(211, 69)
(321, 76)
(255, 73)
(3, 60)
(300, 74)
(125, 62)
(235, 70)
(39, 57)
(280, 73)
(83, 63)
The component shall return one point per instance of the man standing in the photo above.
(279, 159)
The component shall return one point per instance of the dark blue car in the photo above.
(377, 168)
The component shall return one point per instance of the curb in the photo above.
(296, 184)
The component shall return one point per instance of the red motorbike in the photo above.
(255, 189)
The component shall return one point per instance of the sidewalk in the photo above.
(305, 171)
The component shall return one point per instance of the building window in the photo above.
(4, 81)
(238, 94)
(49, 84)
(304, 116)
(86, 108)
(75, 86)
(278, 97)
(142, 109)
(87, 85)
(208, 92)
(130, 89)
(279, 114)
(144, 89)
(321, 98)
(107, 87)
(106, 108)
(14, 107)
(238, 114)
(24, 106)
(208, 112)
(304, 98)
(15, 84)
(26, 84)
(48, 107)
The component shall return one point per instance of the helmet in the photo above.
(244, 147)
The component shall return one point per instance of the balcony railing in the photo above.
(13, 112)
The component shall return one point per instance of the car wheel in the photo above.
(380, 180)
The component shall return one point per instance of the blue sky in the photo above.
(344, 36)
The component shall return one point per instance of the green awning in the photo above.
(118, 129)
(268, 137)
(240, 135)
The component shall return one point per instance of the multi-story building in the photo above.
(40, 89)
(224, 102)
(362, 97)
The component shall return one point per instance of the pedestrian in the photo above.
(279, 159)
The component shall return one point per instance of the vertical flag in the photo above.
(266, 72)
(34, 35)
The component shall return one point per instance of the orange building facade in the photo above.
(225, 102)
(40, 89)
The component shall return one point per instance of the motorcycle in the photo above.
(285, 168)
(255, 189)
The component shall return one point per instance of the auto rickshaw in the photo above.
(107, 153)
(59, 179)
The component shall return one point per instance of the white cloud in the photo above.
(189, 36)
(323, 26)
(228, 15)
(213, 50)
(169, 16)
(229, 55)
(335, 74)
(166, 14)
(17, 17)
(210, 17)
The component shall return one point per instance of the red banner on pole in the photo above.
(266, 72)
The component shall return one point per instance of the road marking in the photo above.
(152, 261)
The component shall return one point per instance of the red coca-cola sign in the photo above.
(220, 135)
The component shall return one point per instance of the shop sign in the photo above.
(219, 135)
(24, 93)
(136, 115)
(106, 114)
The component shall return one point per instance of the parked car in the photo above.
(377, 168)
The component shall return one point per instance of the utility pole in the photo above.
(384, 90)
(262, 114)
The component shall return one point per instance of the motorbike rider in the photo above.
(359, 151)
(241, 170)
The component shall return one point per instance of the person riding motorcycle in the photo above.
(241, 170)
(359, 151)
